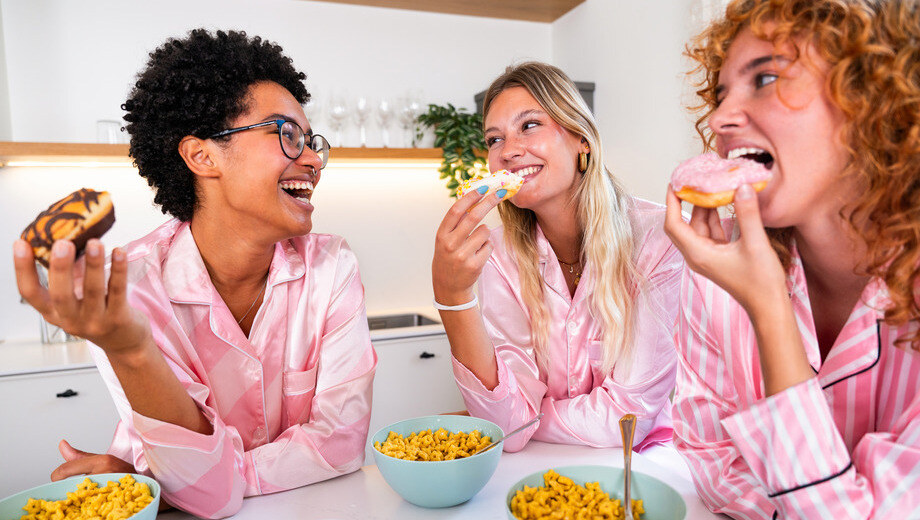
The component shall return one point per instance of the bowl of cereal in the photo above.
(434, 461)
(127, 495)
(596, 488)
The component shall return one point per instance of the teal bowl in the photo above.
(660, 501)
(439, 483)
(11, 507)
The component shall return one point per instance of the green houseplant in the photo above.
(459, 134)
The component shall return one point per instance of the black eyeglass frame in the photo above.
(279, 123)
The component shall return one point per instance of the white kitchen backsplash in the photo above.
(388, 215)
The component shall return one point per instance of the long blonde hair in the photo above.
(602, 209)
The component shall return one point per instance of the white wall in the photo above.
(632, 51)
(5, 131)
(72, 62)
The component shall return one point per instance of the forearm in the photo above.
(782, 353)
(471, 345)
(154, 391)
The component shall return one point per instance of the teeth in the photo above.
(296, 185)
(738, 152)
(303, 199)
(527, 171)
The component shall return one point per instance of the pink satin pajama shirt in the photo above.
(290, 404)
(580, 403)
(842, 445)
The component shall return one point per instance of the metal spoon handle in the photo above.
(628, 430)
(512, 432)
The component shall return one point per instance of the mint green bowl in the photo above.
(661, 501)
(439, 483)
(11, 507)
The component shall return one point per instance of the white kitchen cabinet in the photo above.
(37, 411)
(414, 378)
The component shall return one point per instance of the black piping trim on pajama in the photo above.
(803, 486)
(878, 355)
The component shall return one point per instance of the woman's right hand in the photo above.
(747, 268)
(102, 315)
(461, 248)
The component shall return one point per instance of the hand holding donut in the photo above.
(747, 268)
(102, 315)
(462, 246)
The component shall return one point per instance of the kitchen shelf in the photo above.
(526, 10)
(97, 152)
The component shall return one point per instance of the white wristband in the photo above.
(462, 307)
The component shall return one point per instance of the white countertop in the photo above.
(20, 357)
(365, 495)
(30, 357)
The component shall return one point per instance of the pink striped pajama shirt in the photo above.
(581, 404)
(842, 445)
(290, 404)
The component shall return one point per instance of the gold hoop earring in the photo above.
(583, 162)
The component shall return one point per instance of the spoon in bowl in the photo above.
(518, 430)
(628, 430)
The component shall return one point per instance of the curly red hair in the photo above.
(873, 49)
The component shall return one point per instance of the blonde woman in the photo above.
(577, 289)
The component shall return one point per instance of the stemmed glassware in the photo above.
(410, 108)
(338, 115)
(313, 110)
(385, 115)
(362, 111)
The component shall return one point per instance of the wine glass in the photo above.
(313, 110)
(362, 111)
(338, 115)
(385, 115)
(409, 109)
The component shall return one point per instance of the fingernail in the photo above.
(118, 255)
(482, 190)
(744, 192)
(501, 193)
(59, 249)
(93, 249)
(20, 249)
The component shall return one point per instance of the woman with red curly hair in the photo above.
(799, 382)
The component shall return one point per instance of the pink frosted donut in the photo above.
(709, 181)
(495, 181)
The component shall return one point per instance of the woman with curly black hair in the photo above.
(234, 342)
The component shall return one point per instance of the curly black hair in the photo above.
(196, 86)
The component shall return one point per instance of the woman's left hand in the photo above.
(747, 268)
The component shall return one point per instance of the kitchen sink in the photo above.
(396, 321)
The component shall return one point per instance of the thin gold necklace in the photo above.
(253, 304)
(572, 269)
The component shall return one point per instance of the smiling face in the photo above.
(522, 138)
(259, 186)
(774, 110)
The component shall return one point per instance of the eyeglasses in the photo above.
(291, 137)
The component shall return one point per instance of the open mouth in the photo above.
(300, 190)
(753, 154)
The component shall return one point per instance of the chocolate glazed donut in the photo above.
(78, 217)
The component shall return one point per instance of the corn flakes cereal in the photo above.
(562, 498)
(115, 501)
(433, 446)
